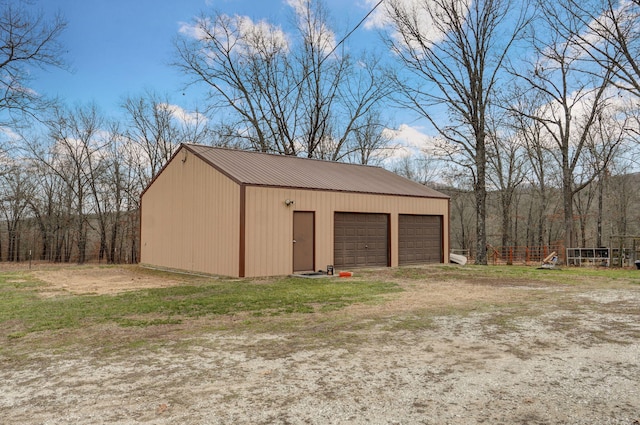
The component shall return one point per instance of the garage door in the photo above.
(419, 239)
(361, 240)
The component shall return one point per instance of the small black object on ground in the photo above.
(311, 275)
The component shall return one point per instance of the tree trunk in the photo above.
(542, 219)
(481, 202)
(505, 201)
(567, 192)
(600, 208)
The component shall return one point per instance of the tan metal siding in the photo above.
(269, 235)
(269, 223)
(190, 219)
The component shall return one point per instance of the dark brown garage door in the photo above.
(361, 240)
(419, 239)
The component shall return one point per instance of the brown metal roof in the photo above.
(262, 169)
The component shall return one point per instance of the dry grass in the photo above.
(458, 345)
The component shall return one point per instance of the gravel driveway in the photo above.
(450, 352)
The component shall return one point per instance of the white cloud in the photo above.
(9, 133)
(594, 35)
(420, 14)
(320, 33)
(625, 16)
(581, 103)
(410, 141)
(379, 18)
(261, 36)
(299, 6)
(239, 33)
(183, 116)
(195, 30)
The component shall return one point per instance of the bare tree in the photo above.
(27, 41)
(72, 156)
(541, 163)
(622, 202)
(462, 216)
(86, 188)
(127, 168)
(290, 93)
(47, 207)
(454, 52)
(573, 96)
(16, 189)
(507, 165)
(114, 186)
(152, 130)
(423, 168)
(609, 35)
(155, 128)
(372, 142)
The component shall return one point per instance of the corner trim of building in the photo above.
(242, 253)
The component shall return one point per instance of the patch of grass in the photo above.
(410, 323)
(564, 274)
(127, 322)
(518, 274)
(296, 309)
(22, 311)
(441, 272)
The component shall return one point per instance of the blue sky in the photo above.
(121, 48)
(118, 48)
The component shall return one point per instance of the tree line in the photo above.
(532, 107)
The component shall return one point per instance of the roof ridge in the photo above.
(280, 155)
(273, 170)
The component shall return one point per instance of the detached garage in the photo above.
(247, 214)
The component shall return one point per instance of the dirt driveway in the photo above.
(448, 351)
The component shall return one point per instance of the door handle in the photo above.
(294, 241)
